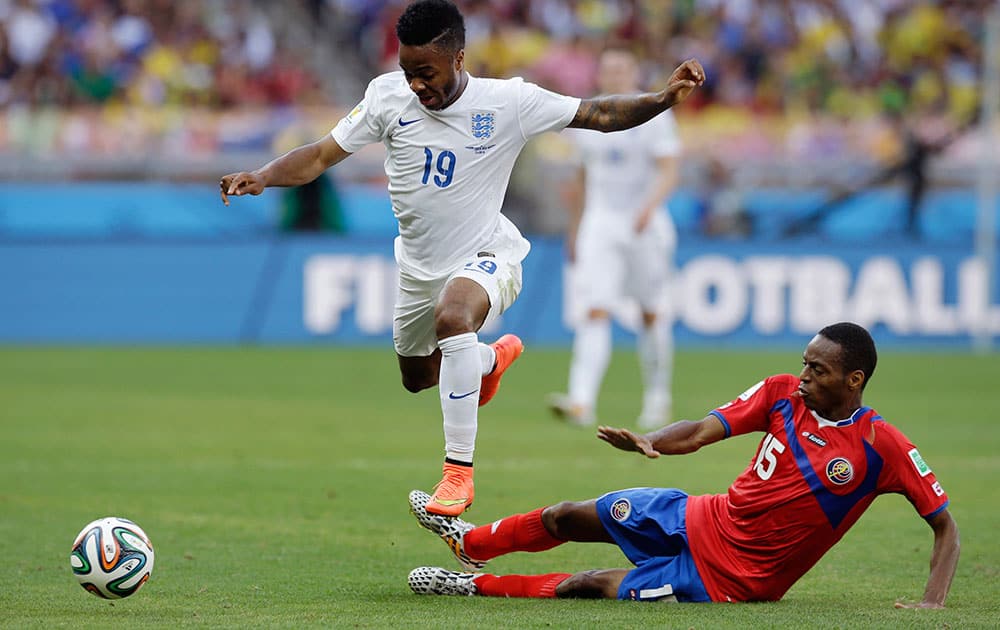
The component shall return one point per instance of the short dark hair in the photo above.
(437, 22)
(857, 348)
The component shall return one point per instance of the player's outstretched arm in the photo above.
(624, 111)
(681, 437)
(299, 166)
(944, 561)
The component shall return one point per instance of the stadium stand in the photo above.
(803, 99)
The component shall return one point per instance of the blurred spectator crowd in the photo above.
(850, 58)
(854, 81)
(788, 80)
(215, 53)
(846, 57)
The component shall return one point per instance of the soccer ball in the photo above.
(112, 557)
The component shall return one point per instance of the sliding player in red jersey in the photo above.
(823, 460)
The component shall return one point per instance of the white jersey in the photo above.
(621, 166)
(448, 169)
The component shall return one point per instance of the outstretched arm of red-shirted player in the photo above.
(944, 560)
(685, 436)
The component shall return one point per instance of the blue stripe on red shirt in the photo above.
(836, 507)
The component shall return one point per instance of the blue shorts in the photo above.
(649, 525)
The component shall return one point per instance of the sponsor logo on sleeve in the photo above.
(936, 487)
(919, 463)
(355, 113)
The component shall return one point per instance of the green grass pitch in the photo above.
(273, 484)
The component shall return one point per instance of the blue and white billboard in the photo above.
(339, 290)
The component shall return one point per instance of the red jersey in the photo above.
(808, 483)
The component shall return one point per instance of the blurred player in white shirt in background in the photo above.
(621, 241)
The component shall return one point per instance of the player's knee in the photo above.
(451, 320)
(593, 584)
(414, 382)
(558, 519)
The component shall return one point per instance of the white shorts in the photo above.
(614, 263)
(413, 330)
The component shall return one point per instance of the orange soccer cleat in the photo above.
(454, 493)
(508, 348)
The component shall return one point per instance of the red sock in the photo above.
(520, 585)
(521, 532)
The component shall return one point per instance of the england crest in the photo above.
(482, 125)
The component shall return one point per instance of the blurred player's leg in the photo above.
(596, 286)
(591, 354)
(650, 285)
(656, 361)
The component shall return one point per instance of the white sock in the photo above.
(591, 354)
(461, 374)
(656, 361)
(488, 356)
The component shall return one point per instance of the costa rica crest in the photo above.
(621, 509)
(839, 470)
(482, 124)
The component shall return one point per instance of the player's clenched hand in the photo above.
(685, 78)
(627, 441)
(240, 184)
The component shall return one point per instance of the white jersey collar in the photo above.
(823, 422)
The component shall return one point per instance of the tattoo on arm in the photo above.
(617, 112)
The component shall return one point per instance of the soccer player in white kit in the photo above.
(622, 245)
(451, 140)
